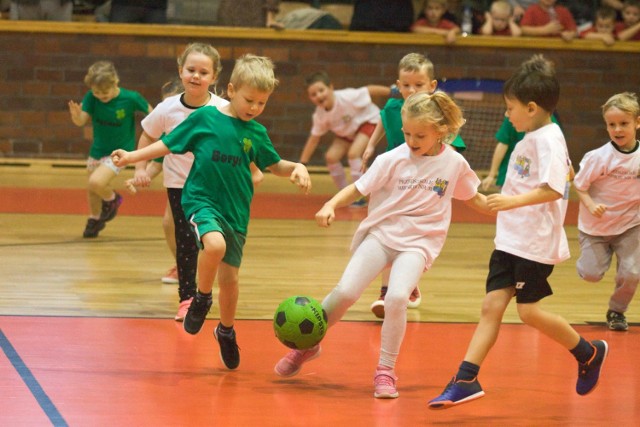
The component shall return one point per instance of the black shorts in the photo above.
(528, 277)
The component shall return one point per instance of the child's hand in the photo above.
(141, 178)
(325, 216)
(499, 202)
(130, 187)
(598, 210)
(300, 177)
(76, 112)
(120, 157)
(366, 156)
(487, 182)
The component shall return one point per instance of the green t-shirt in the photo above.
(223, 147)
(509, 136)
(391, 116)
(114, 124)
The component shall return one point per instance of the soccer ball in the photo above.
(300, 322)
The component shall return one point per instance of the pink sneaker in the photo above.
(414, 298)
(290, 365)
(182, 309)
(171, 277)
(385, 383)
(377, 307)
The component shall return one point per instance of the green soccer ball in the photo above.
(300, 322)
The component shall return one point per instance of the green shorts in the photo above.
(208, 220)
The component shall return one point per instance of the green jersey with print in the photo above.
(114, 124)
(391, 116)
(223, 147)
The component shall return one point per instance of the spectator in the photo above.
(140, 11)
(382, 15)
(435, 23)
(310, 18)
(546, 19)
(519, 6)
(41, 10)
(583, 12)
(249, 13)
(604, 27)
(629, 29)
(499, 20)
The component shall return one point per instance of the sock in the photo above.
(224, 329)
(387, 359)
(583, 351)
(336, 170)
(467, 371)
(200, 295)
(355, 166)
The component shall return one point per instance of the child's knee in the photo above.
(589, 275)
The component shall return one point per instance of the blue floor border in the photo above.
(36, 390)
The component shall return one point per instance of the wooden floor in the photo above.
(88, 338)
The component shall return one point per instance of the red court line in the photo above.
(265, 205)
(131, 372)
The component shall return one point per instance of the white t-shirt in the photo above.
(612, 178)
(410, 203)
(351, 109)
(163, 119)
(536, 232)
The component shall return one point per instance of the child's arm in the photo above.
(309, 148)
(153, 170)
(479, 203)
(629, 33)
(487, 27)
(141, 177)
(256, 174)
(516, 31)
(78, 117)
(498, 154)
(553, 27)
(122, 157)
(501, 202)
(376, 136)
(379, 91)
(596, 209)
(344, 197)
(297, 173)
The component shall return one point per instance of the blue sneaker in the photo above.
(589, 373)
(457, 392)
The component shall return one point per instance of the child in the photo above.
(499, 20)
(198, 67)
(218, 191)
(603, 28)
(411, 189)
(608, 185)
(535, 194)
(434, 23)
(111, 110)
(548, 19)
(629, 29)
(415, 74)
(350, 114)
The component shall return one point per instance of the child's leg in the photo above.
(209, 260)
(595, 257)
(99, 188)
(333, 157)
(627, 249)
(552, 325)
(186, 247)
(355, 155)
(228, 294)
(169, 230)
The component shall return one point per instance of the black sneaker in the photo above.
(92, 228)
(617, 321)
(229, 351)
(589, 372)
(197, 313)
(110, 209)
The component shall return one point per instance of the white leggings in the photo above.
(368, 260)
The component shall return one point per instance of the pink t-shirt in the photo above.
(351, 109)
(612, 178)
(410, 199)
(536, 232)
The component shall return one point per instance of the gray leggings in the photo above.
(595, 259)
(368, 260)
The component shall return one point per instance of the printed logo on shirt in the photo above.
(346, 118)
(246, 145)
(225, 158)
(438, 185)
(522, 166)
(519, 285)
(120, 114)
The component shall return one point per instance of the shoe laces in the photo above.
(383, 291)
(199, 306)
(297, 356)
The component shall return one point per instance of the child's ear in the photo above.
(532, 107)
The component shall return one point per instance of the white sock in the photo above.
(355, 166)
(336, 170)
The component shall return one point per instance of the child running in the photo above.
(608, 185)
(217, 193)
(111, 110)
(530, 238)
(411, 189)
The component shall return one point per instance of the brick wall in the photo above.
(40, 71)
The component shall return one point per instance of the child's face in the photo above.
(197, 74)
(321, 95)
(422, 138)
(500, 19)
(630, 15)
(434, 11)
(605, 26)
(547, 3)
(518, 114)
(410, 82)
(105, 94)
(247, 103)
(621, 127)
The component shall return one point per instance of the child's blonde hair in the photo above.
(415, 62)
(171, 87)
(102, 74)
(443, 3)
(436, 109)
(501, 6)
(625, 101)
(205, 49)
(254, 71)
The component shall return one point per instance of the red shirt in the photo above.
(444, 24)
(621, 27)
(536, 16)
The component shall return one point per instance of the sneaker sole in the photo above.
(169, 281)
(315, 356)
(377, 308)
(184, 325)
(446, 404)
(415, 303)
(604, 358)
(386, 395)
